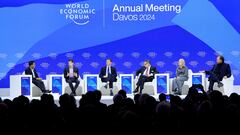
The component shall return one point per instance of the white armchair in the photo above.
(79, 90)
(187, 84)
(149, 87)
(107, 91)
(36, 92)
(227, 88)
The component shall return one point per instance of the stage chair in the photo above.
(187, 84)
(36, 92)
(106, 92)
(80, 89)
(228, 86)
(149, 87)
(16, 88)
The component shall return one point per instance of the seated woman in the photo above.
(181, 77)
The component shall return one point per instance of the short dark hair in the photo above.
(30, 63)
(162, 97)
(109, 59)
(148, 61)
(71, 60)
(221, 58)
(123, 93)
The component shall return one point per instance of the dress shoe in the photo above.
(135, 91)
(175, 90)
(46, 91)
(105, 86)
(73, 93)
(220, 84)
(177, 93)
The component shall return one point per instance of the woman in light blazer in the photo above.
(181, 77)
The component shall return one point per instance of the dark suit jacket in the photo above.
(28, 71)
(66, 71)
(153, 70)
(113, 76)
(224, 71)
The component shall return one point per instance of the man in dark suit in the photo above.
(219, 71)
(108, 74)
(30, 70)
(71, 76)
(147, 73)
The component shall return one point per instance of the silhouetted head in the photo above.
(123, 93)
(175, 100)
(128, 102)
(67, 101)
(142, 98)
(216, 97)
(117, 99)
(162, 97)
(150, 102)
(8, 102)
(192, 91)
(136, 98)
(91, 97)
(47, 99)
(98, 95)
(163, 108)
(234, 98)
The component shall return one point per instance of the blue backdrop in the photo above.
(52, 31)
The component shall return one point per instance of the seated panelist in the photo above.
(71, 76)
(108, 74)
(220, 71)
(30, 70)
(147, 74)
(181, 77)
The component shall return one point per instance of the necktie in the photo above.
(109, 72)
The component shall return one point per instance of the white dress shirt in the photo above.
(71, 75)
(147, 72)
(33, 74)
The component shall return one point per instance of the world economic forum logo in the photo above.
(79, 13)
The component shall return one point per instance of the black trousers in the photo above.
(212, 79)
(70, 81)
(142, 79)
(39, 84)
(110, 80)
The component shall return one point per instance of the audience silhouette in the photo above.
(198, 110)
